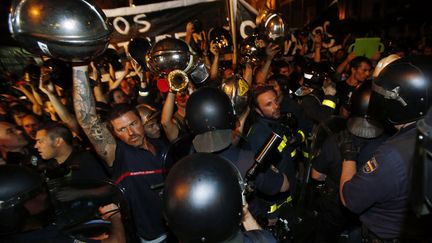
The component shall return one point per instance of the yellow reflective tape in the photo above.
(329, 103)
(305, 154)
(275, 206)
(293, 153)
(281, 146)
(302, 134)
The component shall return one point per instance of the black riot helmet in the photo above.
(314, 75)
(209, 109)
(138, 49)
(403, 90)
(361, 122)
(71, 30)
(203, 199)
(18, 184)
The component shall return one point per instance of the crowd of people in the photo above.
(340, 172)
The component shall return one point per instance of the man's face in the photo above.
(362, 72)
(286, 71)
(11, 138)
(30, 125)
(129, 129)
(45, 145)
(268, 105)
(120, 97)
(152, 129)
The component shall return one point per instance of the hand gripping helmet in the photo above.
(71, 30)
(361, 123)
(209, 109)
(138, 49)
(203, 199)
(18, 184)
(402, 92)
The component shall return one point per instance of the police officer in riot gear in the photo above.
(210, 116)
(366, 131)
(30, 211)
(378, 191)
(209, 209)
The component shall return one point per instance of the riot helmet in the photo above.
(210, 115)
(203, 199)
(361, 123)
(402, 92)
(18, 185)
(71, 30)
(314, 75)
(209, 109)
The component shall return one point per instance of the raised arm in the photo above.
(170, 127)
(48, 88)
(261, 75)
(85, 109)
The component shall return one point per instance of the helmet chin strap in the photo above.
(391, 95)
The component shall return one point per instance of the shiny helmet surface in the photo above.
(203, 198)
(402, 91)
(170, 54)
(238, 91)
(71, 30)
(272, 25)
(252, 50)
(361, 122)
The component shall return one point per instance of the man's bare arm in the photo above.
(85, 110)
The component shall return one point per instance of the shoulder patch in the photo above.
(370, 166)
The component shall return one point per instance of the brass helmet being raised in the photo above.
(271, 24)
(252, 49)
(170, 54)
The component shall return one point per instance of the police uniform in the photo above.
(136, 170)
(268, 182)
(380, 189)
(333, 216)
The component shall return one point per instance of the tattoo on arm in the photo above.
(85, 109)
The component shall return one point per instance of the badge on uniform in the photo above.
(370, 166)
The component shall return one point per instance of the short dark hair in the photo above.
(356, 61)
(55, 130)
(117, 111)
(111, 95)
(261, 89)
